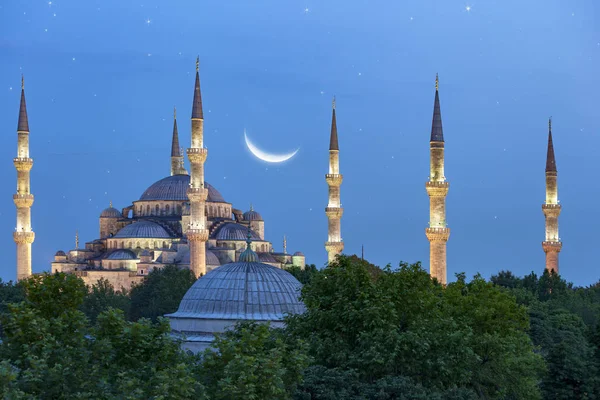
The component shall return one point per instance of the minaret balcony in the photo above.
(197, 154)
(551, 210)
(197, 194)
(552, 246)
(23, 200)
(197, 235)
(23, 163)
(23, 237)
(437, 234)
(437, 189)
(334, 212)
(334, 179)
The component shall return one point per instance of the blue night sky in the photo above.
(102, 77)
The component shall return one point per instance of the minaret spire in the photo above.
(437, 189)
(334, 210)
(23, 199)
(176, 154)
(284, 245)
(551, 209)
(197, 234)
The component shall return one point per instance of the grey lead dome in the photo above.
(242, 291)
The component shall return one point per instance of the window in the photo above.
(179, 209)
(167, 209)
(157, 209)
(148, 209)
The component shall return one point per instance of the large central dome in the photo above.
(175, 188)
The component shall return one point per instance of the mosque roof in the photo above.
(437, 133)
(111, 212)
(142, 229)
(299, 253)
(175, 188)
(242, 291)
(266, 257)
(122, 254)
(60, 253)
(234, 231)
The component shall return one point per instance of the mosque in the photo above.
(176, 220)
(183, 220)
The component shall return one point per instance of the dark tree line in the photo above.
(368, 333)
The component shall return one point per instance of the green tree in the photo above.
(401, 326)
(252, 361)
(160, 293)
(102, 296)
(304, 275)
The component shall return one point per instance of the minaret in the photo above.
(552, 245)
(437, 189)
(197, 234)
(284, 245)
(23, 234)
(176, 154)
(334, 210)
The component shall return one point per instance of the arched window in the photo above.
(148, 209)
(164, 245)
(179, 209)
(167, 209)
(157, 208)
(122, 244)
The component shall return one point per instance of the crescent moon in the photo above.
(263, 155)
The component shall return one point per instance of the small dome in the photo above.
(142, 229)
(111, 212)
(233, 231)
(242, 291)
(60, 253)
(121, 254)
(175, 188)
(252, 215)
(145, 253)
(249, 256)
(299, 253)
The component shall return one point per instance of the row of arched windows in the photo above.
(114, 244)
(158, 211)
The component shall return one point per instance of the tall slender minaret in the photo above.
(197, 234)
(176, 155)
(552, 245)
(334, 210)
(23, 199)
(437, 189)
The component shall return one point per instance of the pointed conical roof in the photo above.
(175, 150)
(550, 160)
(23, 124)
(333, 141)
(437, 133)
(197, 103)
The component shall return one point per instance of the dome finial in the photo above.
(248, 255)
(110, 204)
(284, 245)
(251, 207)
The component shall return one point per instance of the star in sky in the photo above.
(148, 21)
(468, 8)
(306, 10)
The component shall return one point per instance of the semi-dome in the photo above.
(266, 257)
(299, 253)
(242, 291)
(142, 229)
(175, 188)
(111, 212)
(233, 231)
(122, 255)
